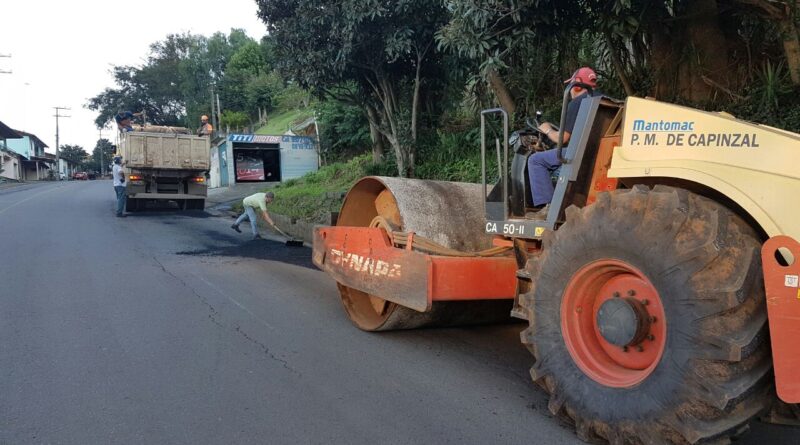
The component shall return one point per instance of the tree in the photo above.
(785, 15)
(246, 84)
(234, 119)
(376, 54)
(102, 155)
(695, 51)
(173, 86)
(73, 153)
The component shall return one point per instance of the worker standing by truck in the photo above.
(257, 200)
(119, 185)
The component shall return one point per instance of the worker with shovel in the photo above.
(251, 203)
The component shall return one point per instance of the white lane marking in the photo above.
(31, 197)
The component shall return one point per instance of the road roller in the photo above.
(660, 287)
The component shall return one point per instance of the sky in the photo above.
(62, 53)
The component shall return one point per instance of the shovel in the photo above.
(290, 241)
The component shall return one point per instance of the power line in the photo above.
(5, 71)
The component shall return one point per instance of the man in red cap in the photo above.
(541, 164)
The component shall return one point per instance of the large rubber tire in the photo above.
(714, 374)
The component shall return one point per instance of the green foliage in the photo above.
(174, 84)
(246, 84)
(371, 53)
(770, 100)
(772, 83)
(234, 119)
(102, 156)
(344, 130)
(278, 123)
(314, 195)
(447, 156)
(292, 96)
(261, 91)
(73, 153)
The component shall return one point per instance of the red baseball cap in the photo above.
(584, 75)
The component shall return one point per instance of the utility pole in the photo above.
(4, 71)
(213, 113)
(100, 146)
(219, 114)
(58, 115)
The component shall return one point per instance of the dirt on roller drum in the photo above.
(261, 249)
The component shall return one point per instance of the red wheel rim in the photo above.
(604, 362)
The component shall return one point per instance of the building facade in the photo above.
(10, 161)
(261, 158)
(35, 165)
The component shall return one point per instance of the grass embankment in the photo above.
(313, 196)
(279, 123)
(444, 156)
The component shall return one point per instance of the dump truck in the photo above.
(660, 292)
(165, 166)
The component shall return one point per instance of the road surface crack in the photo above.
(266, 350)
(213, 317)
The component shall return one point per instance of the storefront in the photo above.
(262, 158)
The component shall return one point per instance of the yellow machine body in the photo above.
(755, 166)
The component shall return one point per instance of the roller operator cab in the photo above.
(660, 289)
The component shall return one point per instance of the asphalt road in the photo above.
(168, 327)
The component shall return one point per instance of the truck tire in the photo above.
(647, 319)
(198, 204)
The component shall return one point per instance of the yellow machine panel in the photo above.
(754, 165)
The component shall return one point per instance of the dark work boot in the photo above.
(236, 228)
(540, 214)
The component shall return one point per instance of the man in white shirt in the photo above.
(119, 185)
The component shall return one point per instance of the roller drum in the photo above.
(449, 213)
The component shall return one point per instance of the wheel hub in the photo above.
(613, 323)
(623, 321)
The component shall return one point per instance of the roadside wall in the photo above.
(297, 229)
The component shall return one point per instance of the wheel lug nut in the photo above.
(653, 319)
(624, 349)
(651, 337)
(645, 302)
(631, 293)
(640, 348)
(616, 294)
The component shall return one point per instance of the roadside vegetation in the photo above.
(281, 121)
(403, 73)
(397, 86)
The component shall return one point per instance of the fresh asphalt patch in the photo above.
(166, 211)
(261, 249)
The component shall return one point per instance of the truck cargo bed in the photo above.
(143, 150)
